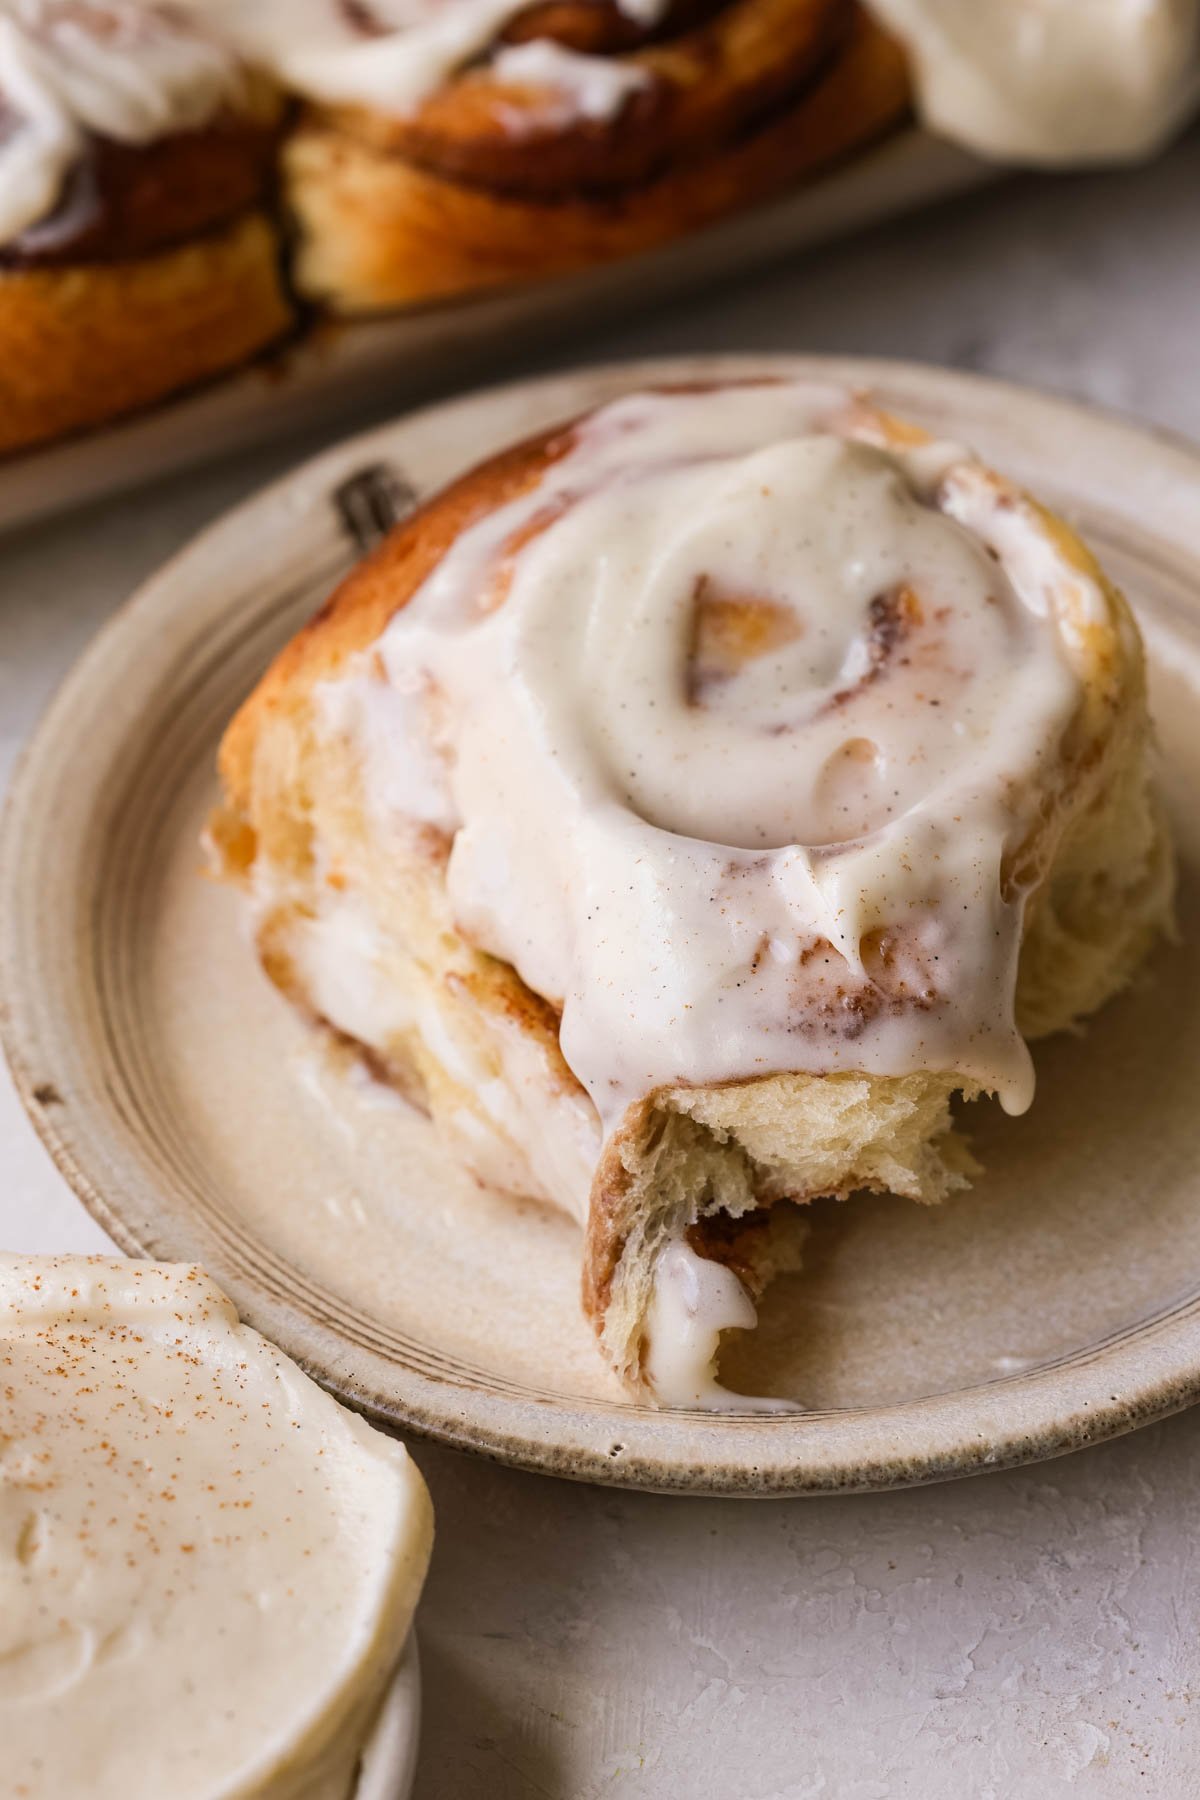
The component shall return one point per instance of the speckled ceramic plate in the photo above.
(1057, 1303)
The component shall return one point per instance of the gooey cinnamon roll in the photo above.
(685, 807)
(136, 252)
(448, 149)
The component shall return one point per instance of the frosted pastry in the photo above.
(489, 142)
(685, 806)
(210, 1566)
(137, 256)
(181, 183)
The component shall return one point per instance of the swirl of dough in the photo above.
(71, 70)
(741, 718)
(801, 609)
(388, 54)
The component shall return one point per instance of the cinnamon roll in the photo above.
(491, 143)
(137, 255)
(685, 806)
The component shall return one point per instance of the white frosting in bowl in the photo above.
(210, 1566)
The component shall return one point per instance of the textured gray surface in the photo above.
(1015, 1637)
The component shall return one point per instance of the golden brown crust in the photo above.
(86, 344)
(359, 609)
(376, 231)
(607, 1229)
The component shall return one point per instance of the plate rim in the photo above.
(1137, 1375)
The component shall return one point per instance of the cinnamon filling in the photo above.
(123, 201)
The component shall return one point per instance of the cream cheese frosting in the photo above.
(584, 87)
(1052, 81)
(135, 72)
(386, 54)
(714, 862)
(210, 1566)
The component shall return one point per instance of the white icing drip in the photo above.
(1052, 81)
(316, 48)
(70, 68)
(643, 12)
(393, 728)
(586, 87)
(695, 879)
(693, 1302)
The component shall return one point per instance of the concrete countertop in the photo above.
(1014, 1637)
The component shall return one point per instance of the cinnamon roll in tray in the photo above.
(497, 141)
(181, 179)
(688, 806)
(136, 254)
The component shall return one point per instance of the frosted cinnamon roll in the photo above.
(685, 806)
(487, 142)
(136, 254)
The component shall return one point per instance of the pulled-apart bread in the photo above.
(685, 805)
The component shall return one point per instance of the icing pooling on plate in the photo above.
(694, 1300)
(210, 1567)
(73, 69)
(738, 720)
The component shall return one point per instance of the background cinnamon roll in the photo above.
(486, 145)
(685, 806)
(136, 252)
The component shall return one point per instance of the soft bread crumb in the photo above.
(696, 1152)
